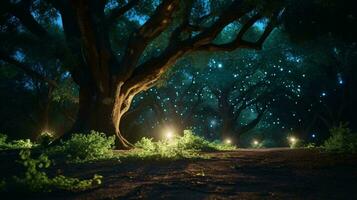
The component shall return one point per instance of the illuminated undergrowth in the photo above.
(84, 148)
(97, 146)
(342, 140)
(35, 179)
(186, 146)
(14, 144)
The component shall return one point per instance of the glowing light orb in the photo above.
(255, 142)
(169, 134)
(292, 139)
(228, 141)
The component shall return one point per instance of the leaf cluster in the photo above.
(84, 147)
(14, 144)
(187, 146)
(36, 180)
(341, 140)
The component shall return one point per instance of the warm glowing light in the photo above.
(293, 141)
(169, 134)
(47, 133)
(228, 141)
(255, 142)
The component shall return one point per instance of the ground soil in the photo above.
(242, 174)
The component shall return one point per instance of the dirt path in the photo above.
(242, 174)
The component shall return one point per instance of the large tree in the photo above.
(109, 74)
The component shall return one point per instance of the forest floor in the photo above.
(243, 174)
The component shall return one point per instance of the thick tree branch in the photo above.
(148, 72)
(239, 42)
(250, 102)
(251, 124)
(139, 78)
(250, 90)
(247, 25)
(26, 69)
(23, 13)
(119, 11)
(160, 20)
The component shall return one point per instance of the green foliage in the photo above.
(3, 138)
(187, 146)
(45, 138)
(294, 142)
(35, 180)
(66, 92)
(2, 185)
(268, 142)
(219, 146)
(74, 184)
(146, 148)
(257, 145)
(85, 147)
(310, 145)
(341, 140)
(15, 144)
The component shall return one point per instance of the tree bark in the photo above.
(95, 112)
(227, 131)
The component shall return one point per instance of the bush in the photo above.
(187, 146)
(341, 140)
(3, 138)
(310, 145)
(15, 144)
(294, 142)
(38, 181)
(2, 185)
(84, 148)
(269, 143)
(257, 145)
(45, 138)
(194, 142)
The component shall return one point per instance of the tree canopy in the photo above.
(84, 61)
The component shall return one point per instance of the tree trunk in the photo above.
(227, 130)
(95, 112)
(45, 106)
(227, 115)
(115, 82)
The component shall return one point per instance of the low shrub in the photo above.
(310, 145)
(191, 141)
(15, 144)
(84, 147)
(269, 143)
(294, 142)
(2, 185)
(257, 145)
(341, 140)
(187, 146)
(45, 138)
(35, 180)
